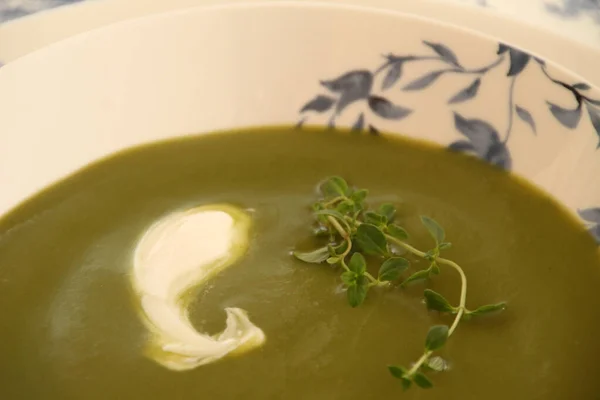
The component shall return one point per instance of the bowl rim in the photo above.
(259, 4)
(498, 24)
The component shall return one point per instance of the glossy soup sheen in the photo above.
(69, 328)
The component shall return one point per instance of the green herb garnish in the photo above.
(355, 231)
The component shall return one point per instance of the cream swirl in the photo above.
(181, 252)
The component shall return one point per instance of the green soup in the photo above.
(69, 328)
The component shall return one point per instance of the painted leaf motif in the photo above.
(481, 134)
(526, 117)
(581, 86)
(392, 76)
(352, 86)
(319, 104)
(349, 81)
(386, 109)
(568, 118)
(467, 93)
(594, 102)
(461, 146)
(502, 48)
(594, 114)
(518, 61)
(360, 122)
(499, 156)
(590, 215)
(424, 81)
(484, 140)
(443, 51)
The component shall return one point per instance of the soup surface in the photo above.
(70, 329)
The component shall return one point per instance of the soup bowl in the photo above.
(291, 64)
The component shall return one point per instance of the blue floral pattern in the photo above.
(576, 8)
(480, 137)
(10, 10)
(592, 218)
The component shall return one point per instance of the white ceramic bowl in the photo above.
(209, 69)
(564, 34)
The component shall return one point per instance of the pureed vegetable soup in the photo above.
(168, 272)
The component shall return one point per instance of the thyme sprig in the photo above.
(354, 231)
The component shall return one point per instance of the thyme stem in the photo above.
(444, 261)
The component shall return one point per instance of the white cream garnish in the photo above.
(180, 252)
